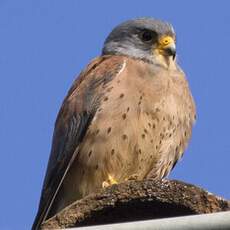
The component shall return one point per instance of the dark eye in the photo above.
(148, 36)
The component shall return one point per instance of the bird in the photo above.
(128, 116)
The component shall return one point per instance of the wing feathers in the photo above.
(75, 115)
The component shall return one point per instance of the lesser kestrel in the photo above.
(129, 115)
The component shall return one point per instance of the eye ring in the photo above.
(148, 36)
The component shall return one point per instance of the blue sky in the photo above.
(45, 44)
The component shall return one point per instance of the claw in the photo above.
(105, 184)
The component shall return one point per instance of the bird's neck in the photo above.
(168, 62)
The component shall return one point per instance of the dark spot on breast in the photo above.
(163, 118)
(185, 133)
(160, 142)
(153, 117)
(140, 167)
(145, 130)
(157, 147)
(139, 151)
(112, 151)
(149, 125)
(128, 109)
(122, 95)
(124, 137)
(139, 102)
(177, 148)
(142, 159)
(96, 167)
(106, 99)
(118, 81)
(147, 113)
(109, 130)
(151, 156)
(143, 136)
(154, 126)
(151, 140)
(124, 116)
(157, 110)
(90, 152)
(140, 97)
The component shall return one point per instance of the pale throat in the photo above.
(166, 61)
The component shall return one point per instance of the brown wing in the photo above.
(72, 122)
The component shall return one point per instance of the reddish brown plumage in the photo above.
(141, 133)
(123, 118)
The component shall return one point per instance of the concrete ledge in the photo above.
(214, 221)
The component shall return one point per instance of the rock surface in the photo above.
(138, 200)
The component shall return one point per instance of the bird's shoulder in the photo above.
(99, 67)
(89, 84)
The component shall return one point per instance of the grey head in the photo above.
(142, 38)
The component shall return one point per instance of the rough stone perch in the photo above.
(138, 200)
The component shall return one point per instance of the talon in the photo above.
(112, 180)
(109, 182)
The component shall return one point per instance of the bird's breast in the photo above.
(139, 126)
(140, 129)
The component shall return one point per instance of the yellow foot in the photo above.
(109, 182)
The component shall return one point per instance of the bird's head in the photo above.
(144, 38)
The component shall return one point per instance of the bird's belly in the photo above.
(147, 145)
